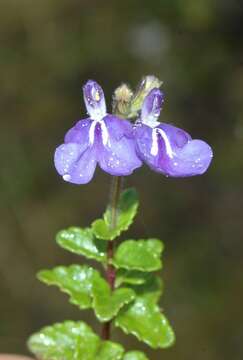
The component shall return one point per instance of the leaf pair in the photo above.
(87, 289)
(134, 308)
(90, 242)
(76, 341)
(143, 255)
(127, 209)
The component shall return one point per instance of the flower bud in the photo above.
(122, 100)
(147, 84)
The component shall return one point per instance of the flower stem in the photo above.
(116, 187)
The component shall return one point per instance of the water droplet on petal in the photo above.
(66, 177)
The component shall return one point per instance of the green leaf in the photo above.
(143, 319)
(135, 355)
(108, 303)
(143, 255)
(127, 209)
(75, 280)
(72, 341)
(151, 289)
(82, 242)
(132, 277)
(110, 351)
(102, 230)
(69, 341)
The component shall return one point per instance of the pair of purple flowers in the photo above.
(120, 147)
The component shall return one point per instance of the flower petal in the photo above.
(118, 127)
(79, 133)
(189, 157)
(177, 137)
(143, 137)
(75, 159)
(76, 165)
(193, 159)
(118, 157)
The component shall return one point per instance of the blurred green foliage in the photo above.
(49, 48)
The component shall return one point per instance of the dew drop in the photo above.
(66, 177)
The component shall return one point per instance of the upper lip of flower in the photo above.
(94, 100)
(96, 107)
(151, 108)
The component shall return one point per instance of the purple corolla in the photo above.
(102, 138)
(165, 148)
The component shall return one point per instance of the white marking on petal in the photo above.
(92, 132)
(155, 146)
(98, 114)
(168, 147)
(104, 132)
(150, 121)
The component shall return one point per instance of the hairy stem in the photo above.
(110, 271)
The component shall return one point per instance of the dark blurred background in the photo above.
(49, 48)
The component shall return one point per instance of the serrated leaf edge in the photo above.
(145, 341)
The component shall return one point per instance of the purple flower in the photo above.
(165, 148)
(102, 138)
